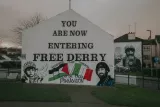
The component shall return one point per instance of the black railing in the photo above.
(147, 78)
(6, 73)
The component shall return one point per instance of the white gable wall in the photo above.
(36, 39)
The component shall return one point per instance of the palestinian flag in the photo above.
(65, 69)
(59, 71)
(74, 69)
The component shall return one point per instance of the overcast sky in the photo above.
(113, 16)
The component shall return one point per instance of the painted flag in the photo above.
(77, 68)
(81, 69)
(88, 74)
(74, 69)
(59, 71)
(55, 77)
(65, 69)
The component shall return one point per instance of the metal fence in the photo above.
(9, 74)
(147, 78)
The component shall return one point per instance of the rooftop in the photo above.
(149, 42)
(124, 38)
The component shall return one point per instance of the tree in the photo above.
(25, 24)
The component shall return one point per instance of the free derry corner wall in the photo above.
(67, 49)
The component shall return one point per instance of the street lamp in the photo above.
(151, 47)
(150, 33)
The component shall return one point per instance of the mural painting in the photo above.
(128, 57)
(76, 74)
(79, 73)
(102, 70)
(69, 49)
(32, 74)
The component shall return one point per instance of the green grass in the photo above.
(128, 96)
(121, 95)
(32, 92)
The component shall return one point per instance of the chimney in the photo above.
(131, 36)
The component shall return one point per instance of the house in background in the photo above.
(128, 53)
(13, 51)
(129, 37)
(9, 54)
(147, 45)
(148, 55)
(157, 39)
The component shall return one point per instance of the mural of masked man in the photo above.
(130, 61)
(30, 73)
(102, 71)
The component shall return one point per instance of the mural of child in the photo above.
(102, 70)
(32, 74)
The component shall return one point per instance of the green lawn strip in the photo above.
(32, 92)
(128, 96)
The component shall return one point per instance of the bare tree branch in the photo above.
(25, 24)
